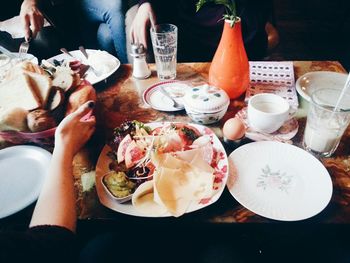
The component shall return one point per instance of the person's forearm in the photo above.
(56, 203)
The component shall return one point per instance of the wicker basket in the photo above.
(43, 139)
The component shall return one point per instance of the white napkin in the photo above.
(14, 27)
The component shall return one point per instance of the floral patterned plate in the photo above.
(279, 181)
(220, 164)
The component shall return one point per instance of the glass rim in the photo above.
(163, 33)
(324, 107)
(7, 60)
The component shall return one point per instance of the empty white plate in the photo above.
(22, 173)
(279, 181)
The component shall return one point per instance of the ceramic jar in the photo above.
(206, 104)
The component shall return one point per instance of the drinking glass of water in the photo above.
(164, 42)
(326, 122)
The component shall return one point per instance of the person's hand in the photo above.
(32, 19)
(141, 24)
(76, 129)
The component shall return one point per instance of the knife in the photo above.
(83, 51)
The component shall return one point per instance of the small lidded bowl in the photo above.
(206, 104)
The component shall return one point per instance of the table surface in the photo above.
(121, 100)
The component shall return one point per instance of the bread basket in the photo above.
(44, 139)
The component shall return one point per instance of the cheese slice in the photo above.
(206, 152)
(143, 200)
(176, 188)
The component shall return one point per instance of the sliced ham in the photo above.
(133, 154)
(122, 148)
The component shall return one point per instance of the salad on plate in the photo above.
(164, 168)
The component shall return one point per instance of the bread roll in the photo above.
(82, 94)
(63, 78)
(56, 99)
(14, 119)
(40, 120)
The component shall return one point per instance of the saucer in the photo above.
(154, 95)
(288, 130)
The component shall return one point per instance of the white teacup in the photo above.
(267, 112)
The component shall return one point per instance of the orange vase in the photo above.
(229, 69)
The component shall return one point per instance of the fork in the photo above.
(23, 49)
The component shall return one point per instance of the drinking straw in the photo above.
(344, 90)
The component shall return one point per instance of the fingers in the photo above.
(32, 19)
(90, 121)
(143, 37)
(140, 26)
(83, 110)
(136, 33)
(132, 33)
(34, 26)
(152, 18)
(37, 22)
(26, 27)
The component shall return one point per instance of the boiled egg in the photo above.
(233, 129)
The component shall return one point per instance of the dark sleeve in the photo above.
(38, 244)
(154, 2)
(254, 15)
(144, 1)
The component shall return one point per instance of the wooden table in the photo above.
(121, 100)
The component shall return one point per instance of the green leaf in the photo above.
(230, 7)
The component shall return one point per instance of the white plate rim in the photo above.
(28, 56)
(148, 91)
(90, 76)
(301, 90)
(127, 208)
(267, 145)
(17, 151)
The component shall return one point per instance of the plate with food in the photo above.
(98, 66)
(311, 81)
(161, 169)
(33, 101)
